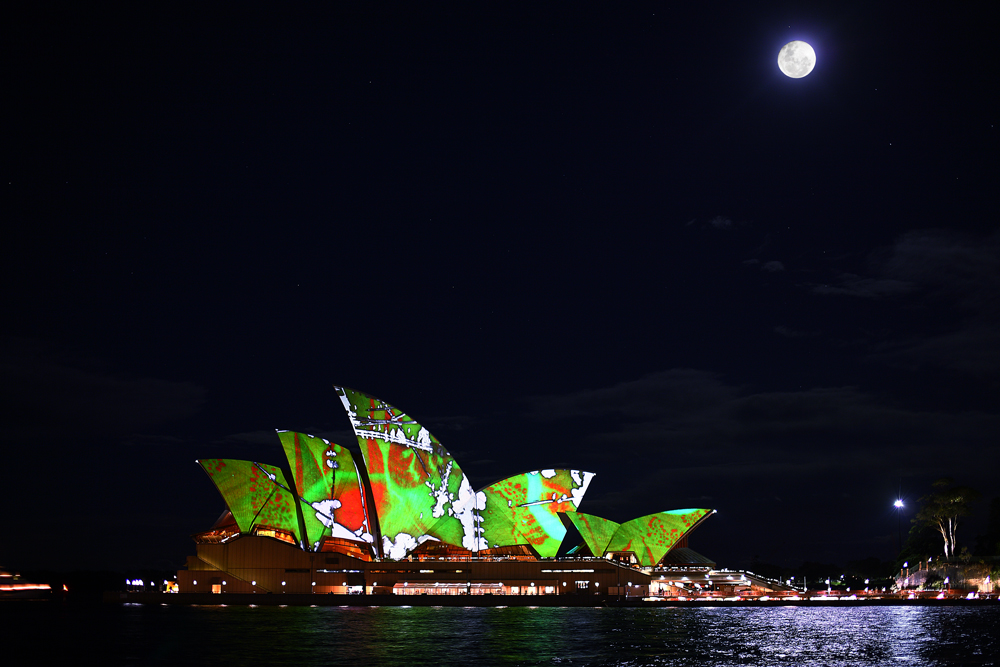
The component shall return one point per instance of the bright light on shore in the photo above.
(898, 504)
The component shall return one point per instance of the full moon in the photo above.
(796, 59)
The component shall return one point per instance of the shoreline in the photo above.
(333, 600)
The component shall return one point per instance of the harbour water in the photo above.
(229, 636)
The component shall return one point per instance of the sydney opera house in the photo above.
(404, 519)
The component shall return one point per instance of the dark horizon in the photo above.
(619, 240)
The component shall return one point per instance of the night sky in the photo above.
(561, 236)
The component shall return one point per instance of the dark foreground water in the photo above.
(232, 636)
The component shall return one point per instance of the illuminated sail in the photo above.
(420, 492)
(596, 532)
(651, 537)
(329, 488)
(524, 509)
(256, 493)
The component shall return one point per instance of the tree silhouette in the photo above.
(943, 509)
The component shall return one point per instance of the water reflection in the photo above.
(232, 636)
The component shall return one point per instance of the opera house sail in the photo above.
(419, 489)
(331, 520)
(648, 537)
(256, 494)
(329, 487)
(525, 509)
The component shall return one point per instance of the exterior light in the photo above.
(223, 583)
(282, 583)
(253, 583)
(898, 504)
(195, 582)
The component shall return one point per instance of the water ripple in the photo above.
(234, 636)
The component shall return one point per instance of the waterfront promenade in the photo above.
(332, 600)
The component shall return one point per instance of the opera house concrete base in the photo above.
(255, 565)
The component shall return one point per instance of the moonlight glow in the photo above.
(796, 59)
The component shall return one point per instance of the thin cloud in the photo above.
(790, 333)
(958, 267)
(974, 349)
(953, 280)
(849, 284)
(49, 388)
(703, 424)
(772, 266)
(937, 262)
(677, 390)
